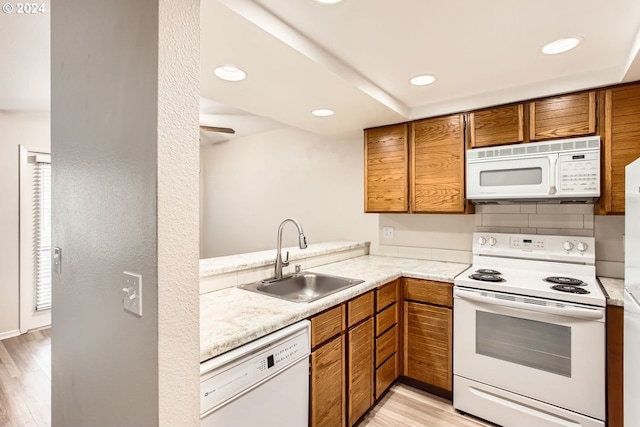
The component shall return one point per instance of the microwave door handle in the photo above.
(553, 163)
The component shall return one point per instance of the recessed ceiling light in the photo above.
(230, 73)
(322, 112)
(422, 80)
(561, 45)
(328, 1)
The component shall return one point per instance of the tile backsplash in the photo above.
(562, 219)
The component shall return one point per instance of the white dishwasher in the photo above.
(263, 383)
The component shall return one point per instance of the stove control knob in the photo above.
(582, 246)
(567, 246)
(482, 241)
(492, 241)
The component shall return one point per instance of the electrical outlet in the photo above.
(387, 232)
(132, 293)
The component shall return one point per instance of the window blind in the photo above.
(42, 233)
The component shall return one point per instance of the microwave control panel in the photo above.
(579, 173)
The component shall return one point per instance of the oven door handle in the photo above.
(582, 313)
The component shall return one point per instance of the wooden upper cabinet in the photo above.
(497, 126)
(386, 174)
(437, 165)
(621, 143)
(563, 116)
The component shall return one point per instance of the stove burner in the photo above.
(487, 277)
(565, 281)
(571, 289)
(488, 271)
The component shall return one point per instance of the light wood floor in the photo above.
(25, 393)
(25, 380)
(405, 406)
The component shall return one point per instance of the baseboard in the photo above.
(9, 334)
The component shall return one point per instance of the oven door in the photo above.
(522, 178)
(547, 351)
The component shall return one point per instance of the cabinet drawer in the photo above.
(386, 345)
(428, 291)
(359, 308)
(385, 375)
(327, 325)
(386, 295)
(387, 318)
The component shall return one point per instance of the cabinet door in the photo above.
(615, 365)
(563, 116)
(437, 164)
(327, 403)
(621, 143)
(361, 372)
(497, 126)
(427, 344)
(386, 169)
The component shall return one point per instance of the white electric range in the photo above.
(529, 332)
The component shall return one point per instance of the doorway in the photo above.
(35, 239)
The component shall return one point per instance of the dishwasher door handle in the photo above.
(569, 311)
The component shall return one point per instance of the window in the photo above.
(42, 232)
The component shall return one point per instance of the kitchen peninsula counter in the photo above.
(232, 317)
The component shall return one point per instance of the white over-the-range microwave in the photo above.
(556, 171)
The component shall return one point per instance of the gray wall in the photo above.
(110, 138)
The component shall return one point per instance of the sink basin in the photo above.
(302, 287)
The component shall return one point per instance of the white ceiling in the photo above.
(356, 57)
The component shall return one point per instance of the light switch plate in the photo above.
(132, 293)
(387, 232)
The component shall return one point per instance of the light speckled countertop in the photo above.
(232, 317)
(615, 290)
(213, 266)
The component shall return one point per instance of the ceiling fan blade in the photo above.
(217, 129)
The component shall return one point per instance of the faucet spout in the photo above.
(302, 242)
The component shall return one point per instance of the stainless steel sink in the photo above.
(302, 287)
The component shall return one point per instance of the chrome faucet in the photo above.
(302, 241)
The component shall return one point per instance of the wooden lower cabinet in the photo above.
(357, 349)
(615, 377)
(360, 369)
(428, 333)
(387, 357)
(327, 403)
(428, 344)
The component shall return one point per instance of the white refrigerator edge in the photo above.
(632, 296)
